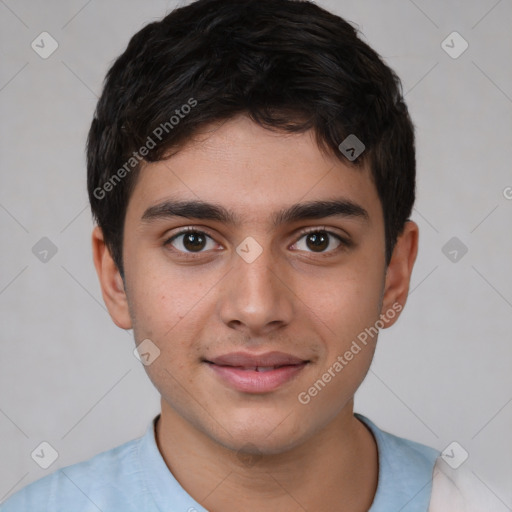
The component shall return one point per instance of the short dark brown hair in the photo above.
(288, 64)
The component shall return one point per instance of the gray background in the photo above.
(67, 373)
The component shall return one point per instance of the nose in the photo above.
(256, 298)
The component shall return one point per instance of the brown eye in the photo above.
(320, 241)
(194, 241)
(191, 241)
(317, 242)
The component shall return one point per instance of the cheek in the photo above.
(344, 312)
(164, 300)
(346, 306)
(167, 314)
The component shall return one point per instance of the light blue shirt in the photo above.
(134, 477)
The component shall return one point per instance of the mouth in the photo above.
(255, 368)
(251, 373)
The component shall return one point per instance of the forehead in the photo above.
(253, 172)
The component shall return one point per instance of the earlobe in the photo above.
(111, 282)
(398, 274)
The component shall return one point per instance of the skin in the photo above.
(233, 450)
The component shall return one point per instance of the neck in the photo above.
(337, 465)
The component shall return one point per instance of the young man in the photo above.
(251, 168)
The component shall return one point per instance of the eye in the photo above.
(191, 241)
(319, 240)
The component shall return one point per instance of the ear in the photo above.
(111, 282)
(398, 273)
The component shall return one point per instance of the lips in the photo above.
(256, 373)
(252, 361)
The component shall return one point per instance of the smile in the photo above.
(256, 373)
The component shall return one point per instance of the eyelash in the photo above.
(344, 242)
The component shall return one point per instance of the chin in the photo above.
(264, 434)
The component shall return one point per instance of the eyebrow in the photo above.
(215, 212)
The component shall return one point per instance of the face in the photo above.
(257, 288)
